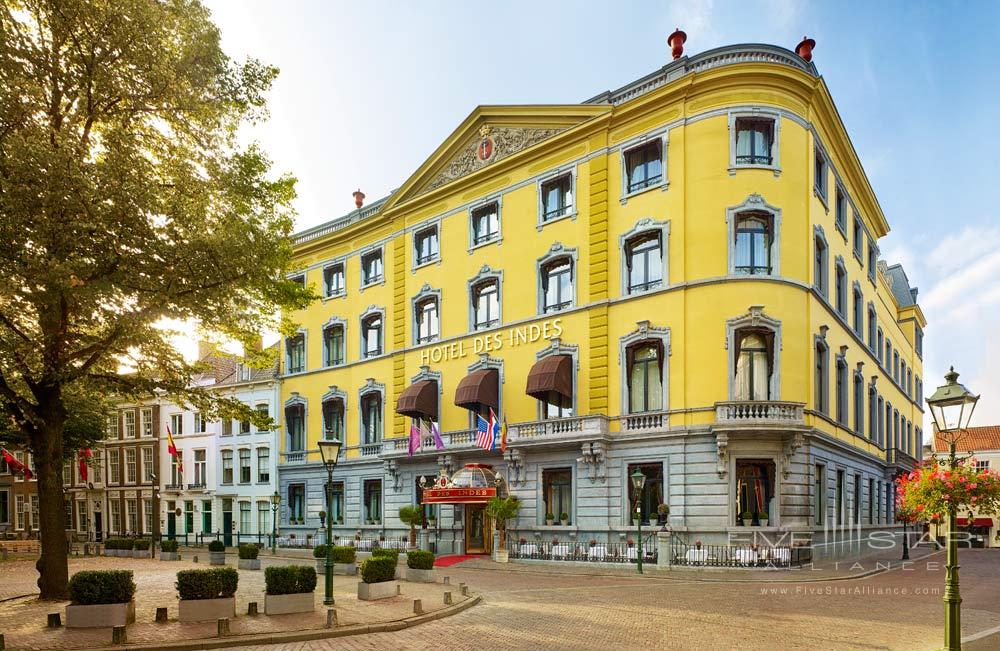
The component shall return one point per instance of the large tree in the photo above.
(127, 202)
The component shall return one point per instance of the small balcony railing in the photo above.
(371, 449)
(456, 440)
(174, 487)
(648, 420)
(298, 456)
(196, 486)
(901, 458)
(760, 412)
(558, 429)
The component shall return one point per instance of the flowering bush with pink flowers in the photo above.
(930, 491)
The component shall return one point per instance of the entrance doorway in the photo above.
(478, 530)
(98, 527)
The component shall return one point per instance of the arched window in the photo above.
(557, 284)
(754, 235)
(645, 376)
(295, 353)
(486, 304)
(333, 345)
(428, 325)
(754, 359)
(820, 263)
(841, 391)
(333, 419)
(859, 404)
(371, 417)
(295, 422)
(821, 380)
(371, 335)
(644, 261)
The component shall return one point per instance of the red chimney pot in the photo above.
(676, 42)
(805, 48)
(359, 198)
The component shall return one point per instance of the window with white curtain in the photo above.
(753, 366)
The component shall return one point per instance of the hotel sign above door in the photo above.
(491, 342)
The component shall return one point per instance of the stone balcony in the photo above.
(456, 441)
(899, 460)
(558, 430)
(755, 413)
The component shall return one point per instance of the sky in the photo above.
(369, 89)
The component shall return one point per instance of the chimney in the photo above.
(676, 43)
(805, 48)
(359, 198)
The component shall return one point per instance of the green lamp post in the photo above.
(951, 408)
(329, 450)
(275, 502)
(638, 482)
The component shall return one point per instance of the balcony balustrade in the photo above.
(558, 429)
(649, 420)
(760, 412)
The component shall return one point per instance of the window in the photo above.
(336, 513)
(872, 325)
(295, 352)
(264, 517)
(858, 305)
(557, 197)
(839, 513)
(227, 466)
(644, 260)
(426, 244)
(755, 490)
(856, 503)
(112, 431)
(888, 355)
(871, 501)
(859, 243)
(148, 469)
(264, 411)
(909, 382)
(841, 213)
(919, 340)
(146, 423)
(200, 423)
(822, 393)
(371, 417)
(841, 288)
(67, 474)
(176, 468)
(919, 384)
(557, 285)
(872, 261)
(4, 507)
(652, 491)
(333, 419)
(859, 404)
(895, 366)
(426, 313)
(333, 279)
(485, 223)
(486, 304)
(132, 515)
(754, 140)
(754, 235)
(227, 427)
(297, 502)
(244, 427)
(872, 414)
(245, 526)
(645, 372)
(753, 365)
(643, 166)
(299, 279)
(881, 421)
(373, 501)
(982, 464)
(200, 475)
(114, 466)
(129, 420)
(244, 466)
(878, 345)
(130, 466)
(263, 465)
(116, 515)
(19, 511)
(333, 345)
(821, 173)
(295, 423)
(206, 516)
(557, 405)
(371, 335)
(557, 490)
(81, 512)
(820, 265)
(371, 267)
(841, 390)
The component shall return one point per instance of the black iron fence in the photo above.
(767, 556)
(592, 551)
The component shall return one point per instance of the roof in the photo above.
(224, 370)
(900, 285)
(974, 439)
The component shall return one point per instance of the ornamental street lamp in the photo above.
(275, 501)
(329, 450)
(951, 408)
(638, 482)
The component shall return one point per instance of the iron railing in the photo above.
(764, 556)
(592, 551)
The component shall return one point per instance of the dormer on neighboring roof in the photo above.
(900, 286)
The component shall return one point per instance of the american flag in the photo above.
(486, 432)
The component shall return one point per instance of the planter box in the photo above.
(345, 569)
(217, 558)
(170, 556)
(421, 576)
(248, 563)
(501, 556)
(140, 553)
(206, 610)
(283, 604)
(100, 616)
(373, 591)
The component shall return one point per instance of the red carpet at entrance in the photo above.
(448, 561)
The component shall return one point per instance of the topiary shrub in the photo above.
(141, 544)
(319, 551)
(378, 569)
(420, 560)
(127, 543)
(344, 554)
(168, 546)
(386, 553)
(289, 579)
(216, 546)
(207, 584)
(249, 551)
(92, 587)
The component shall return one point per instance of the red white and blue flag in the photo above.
(487, 432)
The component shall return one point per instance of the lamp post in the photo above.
(638, 482)
(329, 450)
(275, 501)
(951, 408)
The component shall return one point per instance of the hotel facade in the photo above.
(679, 277)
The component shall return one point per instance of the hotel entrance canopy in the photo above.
(474, 483)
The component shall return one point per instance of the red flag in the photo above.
(14, 463)
(84, 455)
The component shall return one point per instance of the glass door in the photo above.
(478, 532)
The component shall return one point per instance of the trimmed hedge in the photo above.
(141, 544)
(420, 560)
(344, 554)
(92, 587)
(249, 551)
(319, 551)
(207, 584)
(386, 553)
(289, 579)
(168, 545)
(378, 569)
(216, 546)
(119, 543)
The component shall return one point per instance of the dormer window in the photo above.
(371, 267)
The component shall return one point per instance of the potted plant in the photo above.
(564, 519)
(248, 557)
(101, 598)
(662, 514)
(207, 595)
(289, 589)
(217, 552)
(340, 519)
(432, 521)
(549, 519)
(322, 518)
(140, 548)
(420, 567)
(378, 575)
(747, 518)
(412, 516)
(168, 550)
(762, 518)
(383, 552)
(500, 510)
(344, 560)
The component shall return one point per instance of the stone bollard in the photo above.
(3, 645)
(418, 607)
(447, 580)
(447, 599)
(195, 559)
(399, 589)
(252, 608)
(54, 620)
(118, 635)
(331, 617)
(465, 590)
(161, 615)
(461, 588)
(222, 626)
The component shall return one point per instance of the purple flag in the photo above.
(438, 443)
(414, 439)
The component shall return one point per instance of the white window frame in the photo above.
(635, 143)
(372, 310)
(572, 211)
(756, 113)
(556, 252)
(380, 249)
(342, 263)
(498, 199)
(485, 273)
(755, 203)
(146, 422)
(436, 259)
(305, 352)
(426, 292)
(333, 322)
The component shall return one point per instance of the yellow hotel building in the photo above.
(679, 277)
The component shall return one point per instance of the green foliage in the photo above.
(120, 543)
(216, 546)
(378, 569)
(140, 544)
(381, 552)
(168, 545)
(935, 489)
(420, 560)
(92, 587)
(413, 516)
(344, 554)
(249, 551)
(501, 509)
(319, 551)
(207, 584)
(289, 579)
(550, 516)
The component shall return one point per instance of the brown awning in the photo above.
(552, 373)
(479, 388)
(419, 400)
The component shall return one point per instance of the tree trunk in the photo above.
(53, 565)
